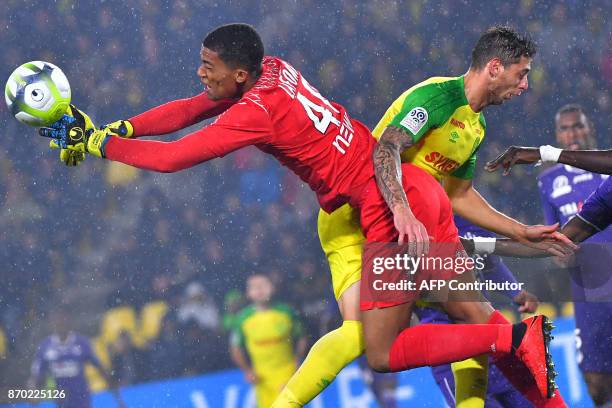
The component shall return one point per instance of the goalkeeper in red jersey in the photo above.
(274, 108)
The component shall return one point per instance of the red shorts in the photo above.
(429, 203)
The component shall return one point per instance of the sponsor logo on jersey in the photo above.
(582, 177)
(415, 120)
(457, 123)
(570, 209)
(271, 340)
(453, 137)
(441, 162)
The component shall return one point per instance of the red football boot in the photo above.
(533, 352)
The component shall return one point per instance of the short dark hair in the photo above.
(237, 45)
(504, 43)
(572, 108)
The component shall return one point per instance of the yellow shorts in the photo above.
(342, 241)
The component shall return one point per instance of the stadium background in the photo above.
(118, 245)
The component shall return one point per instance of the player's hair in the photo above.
(259, 275)
(570, 108)
(504, 43)
(238, 45)
(576, 108)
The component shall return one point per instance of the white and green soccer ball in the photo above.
(37, 93)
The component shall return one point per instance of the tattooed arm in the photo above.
(387, 165)
(388, 171)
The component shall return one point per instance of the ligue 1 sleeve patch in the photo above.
(415, 120)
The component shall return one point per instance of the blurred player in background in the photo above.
(272, 337)
(277, 110)
(63, 356)
(563, 191)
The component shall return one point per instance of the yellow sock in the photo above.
(327, 357)
(471, 377)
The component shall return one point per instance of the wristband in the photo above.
(549, 154)
(484, 245)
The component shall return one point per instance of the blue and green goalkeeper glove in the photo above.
(76, 134)
(73, 119)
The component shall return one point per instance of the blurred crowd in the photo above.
(103, 236)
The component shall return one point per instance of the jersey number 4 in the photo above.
(323, 115)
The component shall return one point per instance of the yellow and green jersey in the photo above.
(445, 130)
(267, 336)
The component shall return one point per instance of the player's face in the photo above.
(218, 78)
(573, 131)
(508, 82)
(259, 289)
(61, 324)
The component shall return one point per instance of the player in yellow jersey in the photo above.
(272, 337)
(438, 126)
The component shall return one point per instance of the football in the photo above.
(37, 93)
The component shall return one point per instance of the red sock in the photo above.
(519, 375)
(436, 344)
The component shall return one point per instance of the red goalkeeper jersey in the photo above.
(282, 115)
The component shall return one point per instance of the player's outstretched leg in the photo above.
(327, 357)
(442, 344)
(480, 311)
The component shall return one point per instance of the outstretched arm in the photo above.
(176, 115)
(469, 204)
(597, 161)
(510, 248)
(241, 126)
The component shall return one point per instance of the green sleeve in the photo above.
(427, 107)
(297, 330)
(237, 334)
(296, 324)
(466, 171)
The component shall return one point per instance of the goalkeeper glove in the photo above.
(77, 134)
(74, 118)
(121, 128)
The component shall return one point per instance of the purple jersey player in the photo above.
(564, 190)
(500, 393)
(63, 356)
